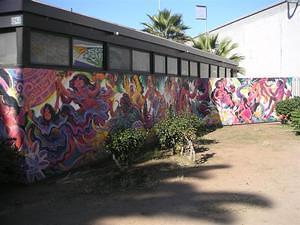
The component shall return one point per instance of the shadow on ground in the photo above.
(147, 191)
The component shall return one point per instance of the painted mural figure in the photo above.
(61, 119)
(127, 115)
(264, 88)
(185, 97)
(49, 130)
(86, 95)
(12, 114)
(201, 103)
(277, 96)
(221, 96)
(171, 92)
(155, 105)
(134, 89)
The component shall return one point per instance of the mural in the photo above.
(87, 54)
(245, 100)
(60, 119)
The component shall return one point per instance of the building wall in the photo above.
(269, 41)
(60, 119)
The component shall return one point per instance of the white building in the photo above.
(269, 39)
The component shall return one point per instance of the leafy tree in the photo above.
(224, 47)
(212, 43)
(167, 25)
(125, 145)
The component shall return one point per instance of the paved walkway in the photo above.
(253, 179)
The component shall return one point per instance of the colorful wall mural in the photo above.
(87, 54)
(60, 119)
(245, 100)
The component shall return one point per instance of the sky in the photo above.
(131, 13)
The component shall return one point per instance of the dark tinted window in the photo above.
(228, 72)
(184, 67)
(8, 48)
(204, 70)
(172, 65)
(49, 49)
(159, 64)
(119, 58)
(193, 69)
(140, 61)
(213, 71)
(221, 72)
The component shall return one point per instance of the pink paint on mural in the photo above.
(61, 119)
(39, 84)
(245, 100)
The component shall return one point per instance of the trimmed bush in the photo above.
(175, 131)
(295, 118)
(126, 145)
(285, 108)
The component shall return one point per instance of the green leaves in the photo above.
(211, 43)
(286, 107)
(295, 117)
(167, 25)
(125, 144)
(172, 130)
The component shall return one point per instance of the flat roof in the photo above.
(37, 8)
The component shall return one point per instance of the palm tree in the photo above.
(211, 43)
(167, 26)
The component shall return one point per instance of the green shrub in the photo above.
(295, 118)
(286, 107)
(126, 145)
(10, 171)
(173, 131)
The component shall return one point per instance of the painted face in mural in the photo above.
(48, 112)
(79, 81)
(279, 83)
(219, 84)
(232, 88)
(125, 102)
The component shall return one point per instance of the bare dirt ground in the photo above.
(252, 179)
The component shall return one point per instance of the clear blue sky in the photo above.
(131, 13)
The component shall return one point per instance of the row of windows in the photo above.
(50, 49)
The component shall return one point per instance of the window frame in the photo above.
(11, 30)
(165, 57)
(50, 64)
(143, 51)
(108, 45)
(90, 67)
(188, 67)
(197, 67)
(167, 63)
(210, 70)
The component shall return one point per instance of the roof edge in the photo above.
(80, 19)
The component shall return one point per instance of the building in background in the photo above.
(269, 40)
